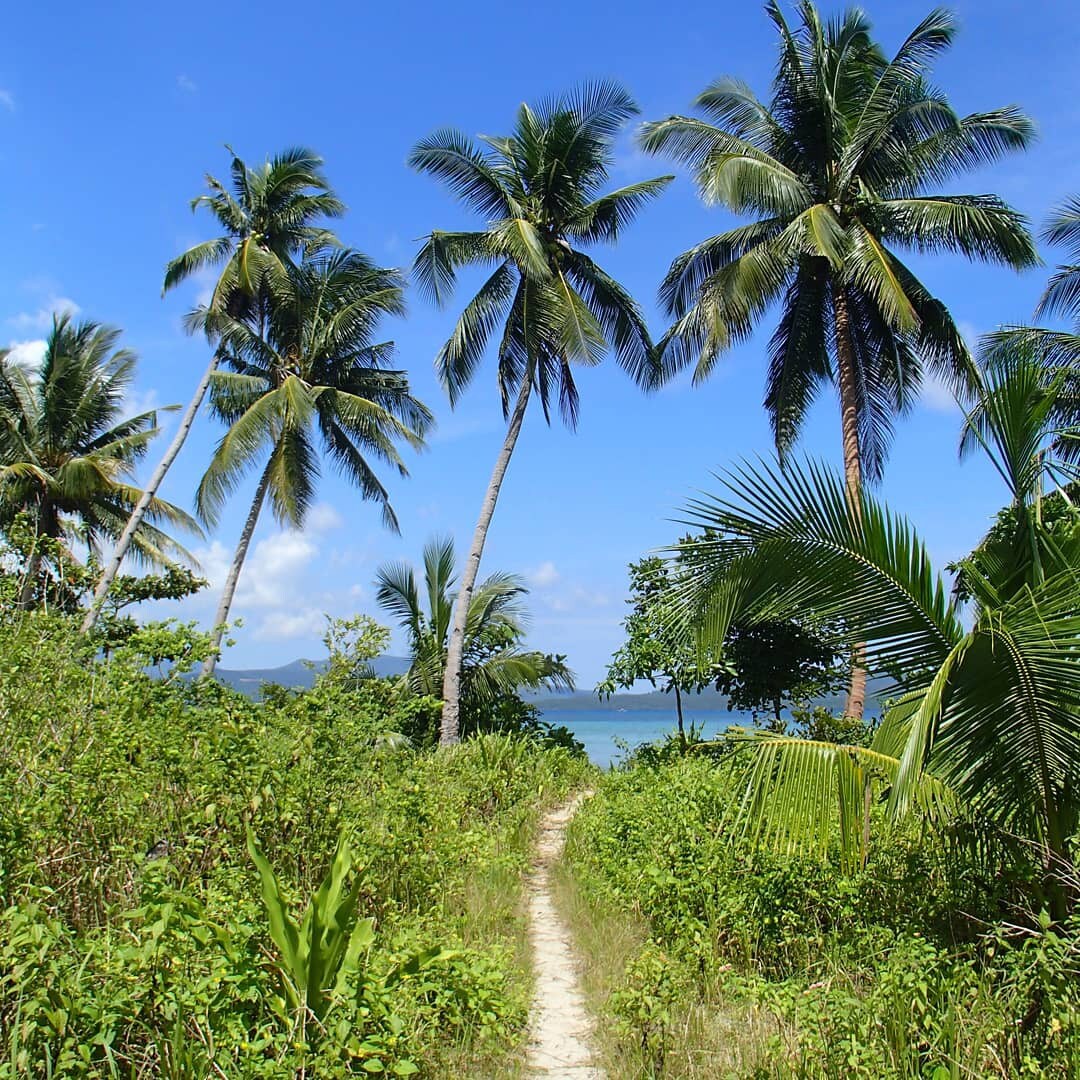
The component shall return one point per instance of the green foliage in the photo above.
(986, 715)
(67, 455)
(538, 192)
(837, 173)
(776, 663)
(654, 647)
(134, 934)
(902, 969)
(496, 668)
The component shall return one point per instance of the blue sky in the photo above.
(111, 114)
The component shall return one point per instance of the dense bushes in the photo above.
(134, 940)
(900, 970)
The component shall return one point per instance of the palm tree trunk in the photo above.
(229, 590)
(450, 727)
(33, 571)
(849, 421)
(679, 717)
(112, 568)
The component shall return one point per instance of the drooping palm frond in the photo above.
(989, 715)
(311, 367)
(540, 192)
(835, 167)
(496, 664)
(67, 450)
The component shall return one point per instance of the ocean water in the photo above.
(602, 730)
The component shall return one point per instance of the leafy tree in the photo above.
(351, 645)
(300, 362)
(539, 191)
(67, 457)
(836, 169)
(988, 713)
(775, 662)
(496, 667)
(270, 217)
(655, 649)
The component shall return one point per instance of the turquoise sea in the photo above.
(601, 730)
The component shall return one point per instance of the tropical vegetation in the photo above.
(540, 190)
(495, 666)
(331, 881)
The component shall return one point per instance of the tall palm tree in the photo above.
(67, 454)
(836, 170)
(495, 664)
(989, 705)
(270, 216)
(303, 361)
(539, 191)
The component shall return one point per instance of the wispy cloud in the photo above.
(42, 317)
(7, 100)
(187, 84)
(543, 576)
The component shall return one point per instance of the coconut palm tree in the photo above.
(837, 169)
(989, 704)
(1057, 350)
(495, 665)
(302, 361)
(67, 454)
(269, 217)
(540, 193)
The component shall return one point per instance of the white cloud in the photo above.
(937, 396)
(322, 517)
(27, 354)
(578, 599)
(188, 85)
(288, 625)
(140, 401)
(543, 576)
(7, 100)
(42, 318)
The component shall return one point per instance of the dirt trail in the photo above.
(560, 1042)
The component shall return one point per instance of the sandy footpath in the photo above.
(560, 1029)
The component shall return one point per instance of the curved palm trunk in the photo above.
(849, 421)
(450, 728)
(229, 590)
(112, 568)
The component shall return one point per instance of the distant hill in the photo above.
(301, 673)
(298, 673)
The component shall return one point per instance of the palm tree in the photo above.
(836, 169)
(989, 707)
(66, 454)
(268, 218)
(301, 361)
(495, 665)
(1057, 350)
(539, 191)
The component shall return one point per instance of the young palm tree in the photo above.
(495, 665)
(268, 218)
(539, 191)
(1057, 350)
(989, 712)
(302, 361)
(66, 454)
(836, 170)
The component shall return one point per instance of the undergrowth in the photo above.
(708, 957)
(135, 938)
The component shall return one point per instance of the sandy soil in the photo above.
(560, 1029)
